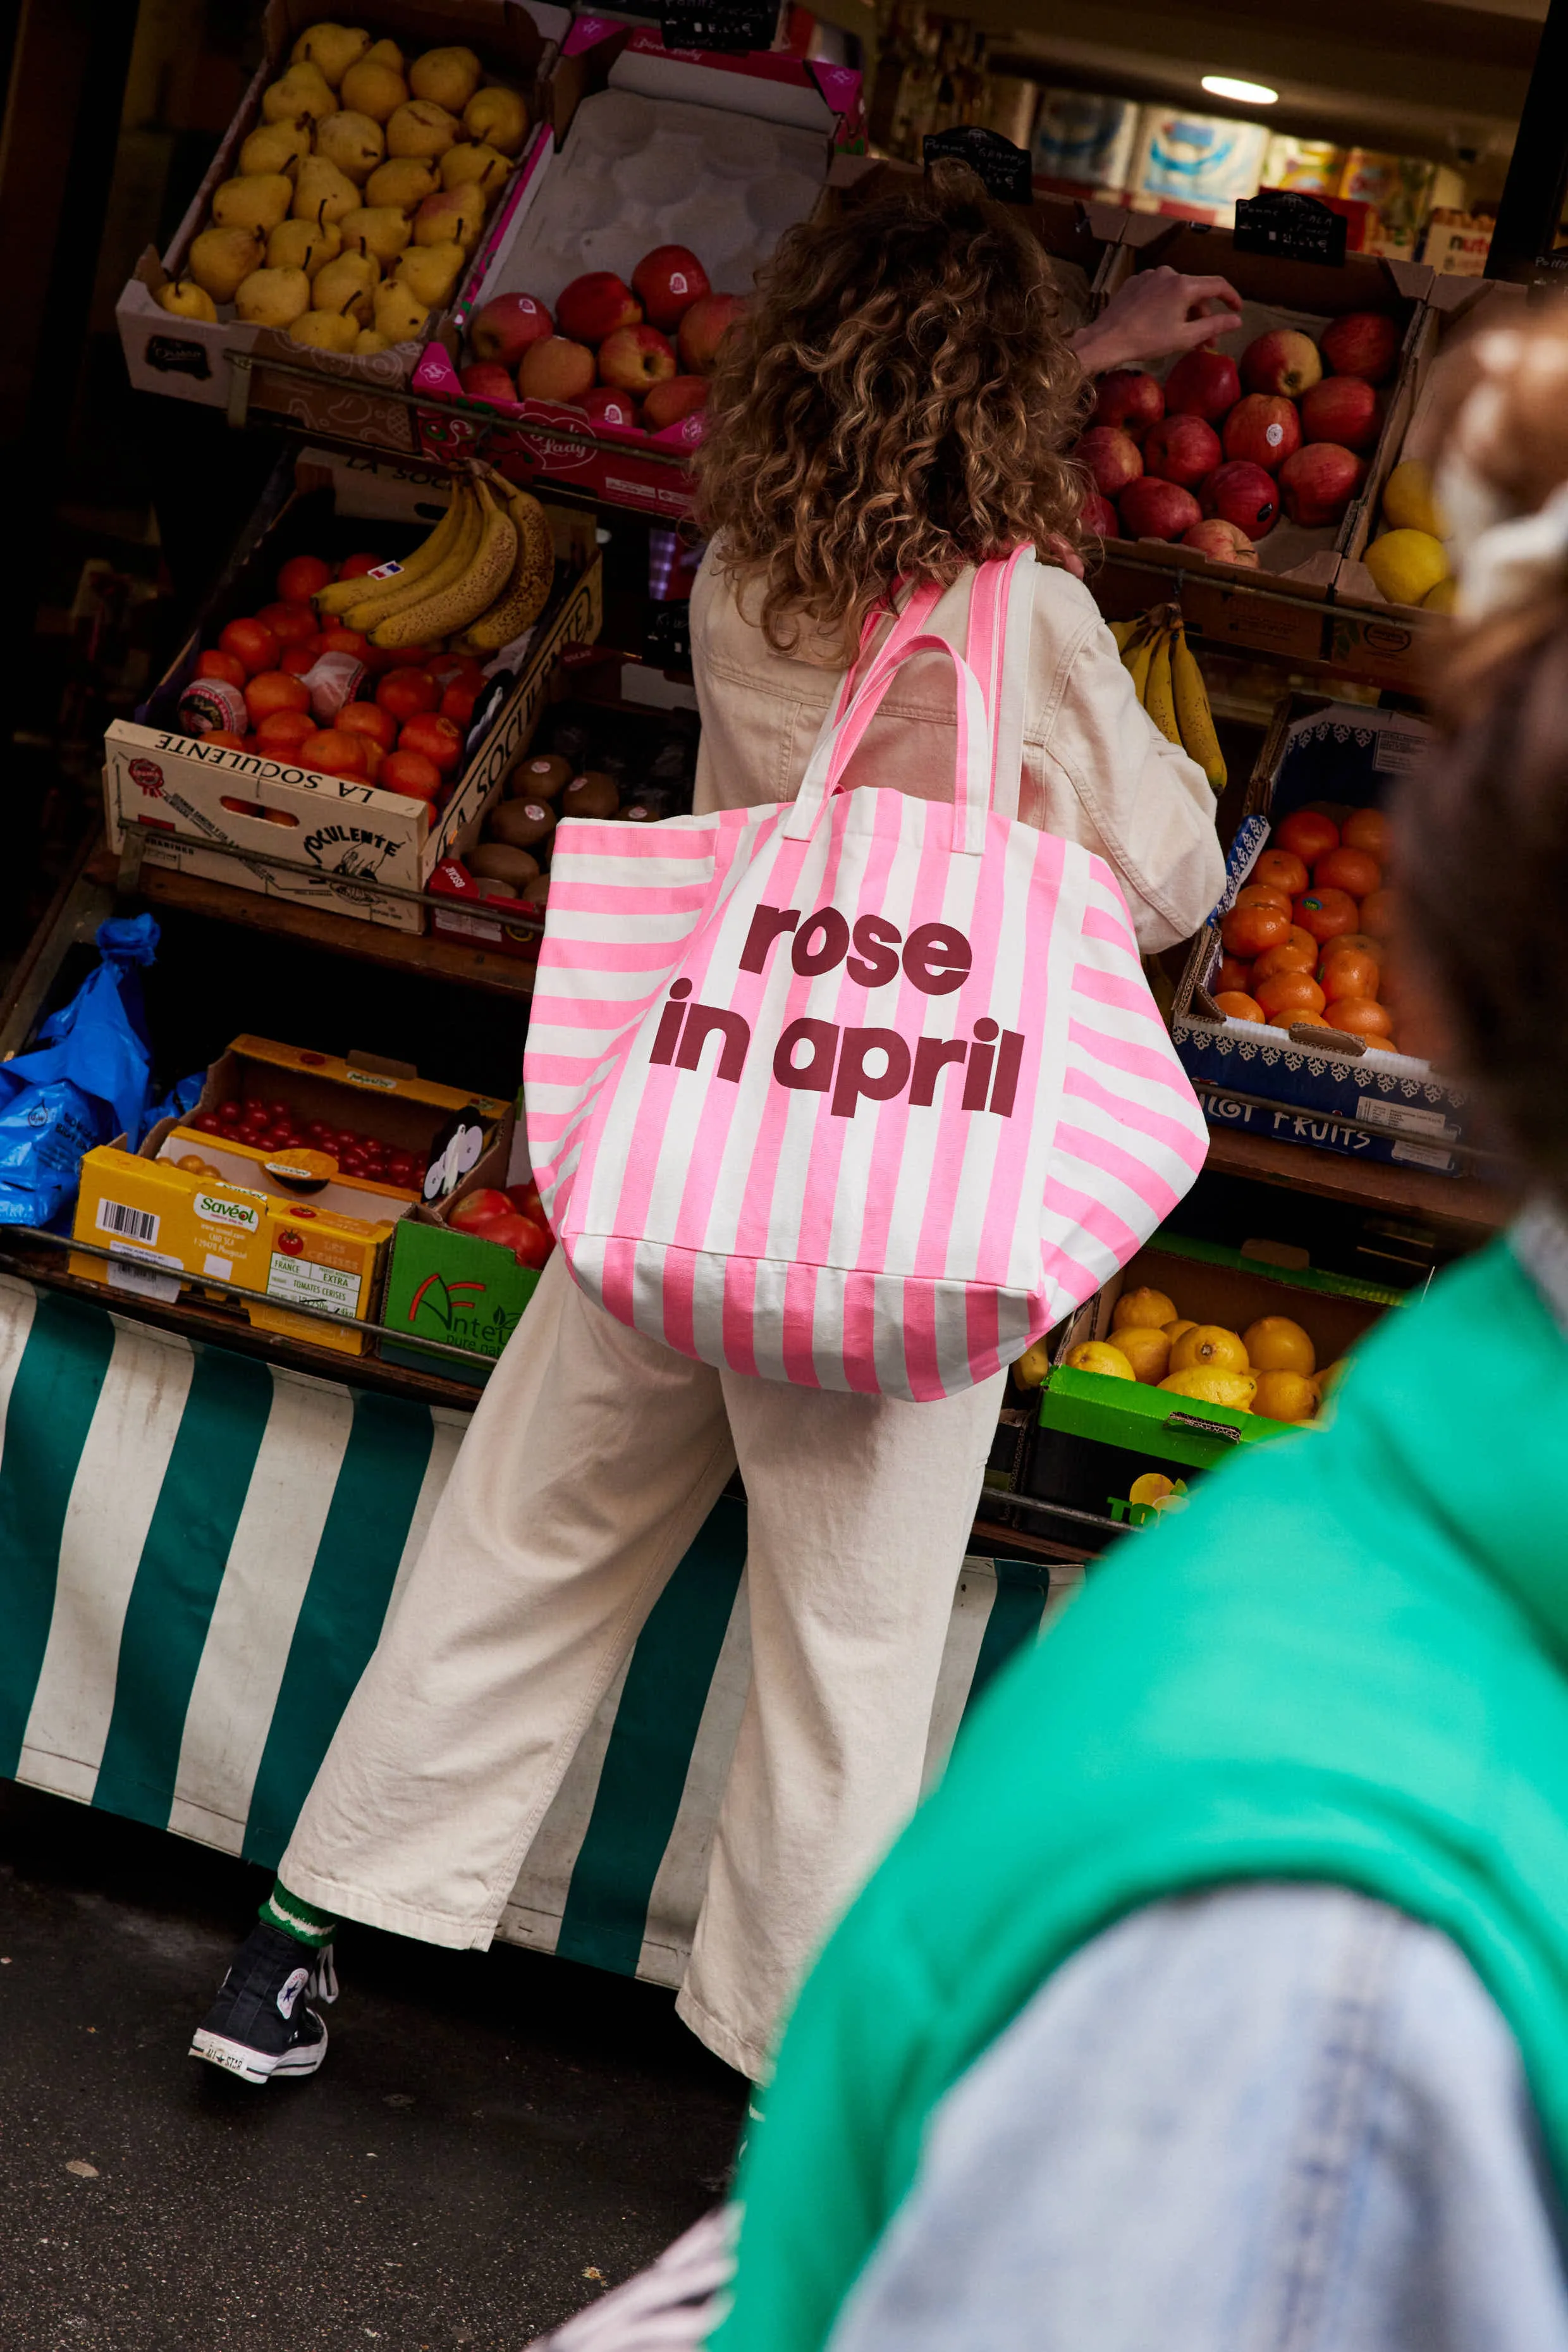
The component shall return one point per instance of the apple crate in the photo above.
(228, 815)
(1302, 562)
(721, 153)
(350, 398)
(1308, 1085)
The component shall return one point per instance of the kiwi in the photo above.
(593, 794)
(639, 813)
(495, 861)
(538, 779)
(536, 892)
(520, 823)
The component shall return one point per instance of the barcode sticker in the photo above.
(136, 1224)
(1401, 1119)
(1398, 753)
(131, 1271)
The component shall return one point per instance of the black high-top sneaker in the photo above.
(259, 2025)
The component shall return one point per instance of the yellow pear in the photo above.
(184, 299)
(273, 298)
(331, 48)
(498, 118)
(322, 192)
(399, 313)
(347, 285)
(380, 230)
(353, 142)
(302, 95)
(304, 245)
(449, 77)
(386, 53)
(405, 183)
(368, 341)
(432, 272)
(275, 146)
(259, 201)
(457, 212)
(324, 331)
(373, 88)
(220, 259)
(421, 128)
(486, 166)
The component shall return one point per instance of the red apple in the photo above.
(440, 740)
(675, 397)
(1099, 516)
(1342, 408)
(1286, 361)
(1130, 398)
(1243, 495)
(1203, 383)
(404, 693)
(634, 357)
(555, 370)
(1151, 508)
(606, 406)
(1222, 542)
(703, 327)
(1112, 458)
(1319, 482)
(667, 281)
(486, 380)
(504, 328)
(409, 772)
(369, 719)
(595, 306)
(333, 753)
(1181, 449)
(1263, 429)
(1363, 344)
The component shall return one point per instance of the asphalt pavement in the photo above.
(495, 2140)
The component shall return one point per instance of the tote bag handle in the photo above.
(825, 772)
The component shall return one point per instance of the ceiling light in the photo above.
(1245, 93)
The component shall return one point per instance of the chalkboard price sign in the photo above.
(734, 26)
(1291, 226)
(1003, 168)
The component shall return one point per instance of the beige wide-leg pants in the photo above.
(592, 1461)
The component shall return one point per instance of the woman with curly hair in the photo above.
(897, 406)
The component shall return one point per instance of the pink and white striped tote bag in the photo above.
(863, 1091)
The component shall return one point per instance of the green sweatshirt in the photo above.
(1346, 1661)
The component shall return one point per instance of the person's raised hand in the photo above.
(1159, 313)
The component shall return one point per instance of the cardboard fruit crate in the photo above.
(1317, 1087)
(351, 398)
(1211, 1284)
(225, 815)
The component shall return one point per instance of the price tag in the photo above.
(1003, 168)
(1291, 226)
(734, 26)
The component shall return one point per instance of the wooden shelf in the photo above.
(423, 954)
(1462, 1201)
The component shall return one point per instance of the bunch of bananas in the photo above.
(1169, 684)
(480, 579)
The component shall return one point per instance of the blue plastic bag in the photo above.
(85, 1082)
(175, 1105)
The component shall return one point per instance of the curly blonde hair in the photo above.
(895, 403)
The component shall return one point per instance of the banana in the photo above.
(1194, 716)
(1159, 696)
(403, 593)
(1125, 631)
(527, 589)
(451, 605)
(1135, 661)
(341, 596)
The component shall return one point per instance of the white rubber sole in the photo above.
(254, 2065)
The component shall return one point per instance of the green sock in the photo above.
(300, 1920)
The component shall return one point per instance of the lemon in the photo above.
(1207, 1386)
(1285, 1396)
(1146, 1310)
(1410, 503)
(1275, 1344)
(1032, 1366)
(1148, 1352)
(1209, 1347)
(1443, 598)
(1153, 1486)
(1407, 565)
(1098, 1356)
(1174, 1328)
(1330, 1376)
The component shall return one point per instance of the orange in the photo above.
(1326, 913)
(1263, 893)
(1378, 913)
(1348, 869)
(1236, 1005)
(1277, 867)
(1247, 930)
(1290, 992)
(1302, 1020)
(1234, 972)
(1298, 953)
(1368, 830)
(1307, 835)
(1375, 948)
(1348, 972)
(1363, 1016)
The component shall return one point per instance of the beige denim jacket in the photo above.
(1095, 768)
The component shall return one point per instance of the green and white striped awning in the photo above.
(197, 1551)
